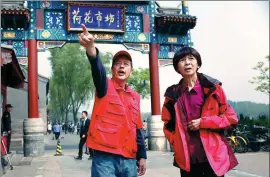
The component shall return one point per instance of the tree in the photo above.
(59, 101)
(72, 75)
(139, 81)
(262, 81)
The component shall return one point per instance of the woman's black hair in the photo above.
(184, 51)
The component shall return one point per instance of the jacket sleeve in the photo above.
(6, 122)
(99, 75)
(166, 117)
(9, 123)
(141, 153)
(86, 127)
(227, 117)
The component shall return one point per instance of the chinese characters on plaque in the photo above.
(96, 17)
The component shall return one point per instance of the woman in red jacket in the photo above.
(195, 115)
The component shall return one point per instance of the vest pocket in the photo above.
(107, 132)
(115, 107)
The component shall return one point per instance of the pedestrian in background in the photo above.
(145, 130)
(49, 128)
(83, 134)
(56, 130)
(6, 125)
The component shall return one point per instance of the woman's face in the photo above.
(187, 66)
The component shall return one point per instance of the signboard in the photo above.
(44, 45)
(23, 60)
(96, 17)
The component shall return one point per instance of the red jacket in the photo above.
(217, 115)
(110, 129)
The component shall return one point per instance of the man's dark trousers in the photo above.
(83, 132)
(57, 134)
(81, 144)
(6, 127)
(8, 141)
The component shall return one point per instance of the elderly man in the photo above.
(115, 132)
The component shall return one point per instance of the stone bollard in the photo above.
(157, 140)
(33, 137)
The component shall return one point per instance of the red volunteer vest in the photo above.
(112, 128)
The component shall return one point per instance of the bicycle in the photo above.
(238, 143)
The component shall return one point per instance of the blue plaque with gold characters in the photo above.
(96, 17)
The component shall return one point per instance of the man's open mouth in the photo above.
(121, 73)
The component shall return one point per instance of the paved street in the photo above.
(159, 164)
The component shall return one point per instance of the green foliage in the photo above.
(250, 108)
(260, 120)
(72, 82)
(251, 113)
(59, 105)
(140, 81)
(262, 81)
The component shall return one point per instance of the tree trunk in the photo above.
(74, 115)
(66, 116)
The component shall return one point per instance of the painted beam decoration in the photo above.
(96, 17)
(132, 23)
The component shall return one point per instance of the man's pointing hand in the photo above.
(87, 41)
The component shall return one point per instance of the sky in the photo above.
(231, 37)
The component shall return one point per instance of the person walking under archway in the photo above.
(83, 134)
(6, 125)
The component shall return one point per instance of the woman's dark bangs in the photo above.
(184, 52)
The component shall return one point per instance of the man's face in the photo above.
(9, 109)
(122, 69)
(83, 115)
(187, 66)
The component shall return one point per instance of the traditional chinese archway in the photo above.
(11, 73)
(139, 25)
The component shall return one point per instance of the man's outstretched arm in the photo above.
(99, 75)
(98, 71)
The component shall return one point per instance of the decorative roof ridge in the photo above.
(14, 8)
(168, 8)
(173, 15)
(7, 46)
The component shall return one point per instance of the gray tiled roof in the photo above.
(175, 16)
(12, 5)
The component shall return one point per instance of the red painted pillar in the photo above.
(32, 79)
(154, 79)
